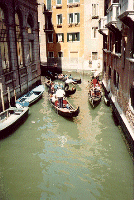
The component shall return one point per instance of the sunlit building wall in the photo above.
(72, 38)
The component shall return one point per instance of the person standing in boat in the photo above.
(60, 94)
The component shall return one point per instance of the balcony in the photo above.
(48, 27)
(102, 26)
(127, 12)
(113, 22)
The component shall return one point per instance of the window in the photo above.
(70, 16)
(3, 43)
(60, 54)
(94, 55)
(59, 19)
(30, 51)
(76, 18)
(109, 72)
(73, 1)
(59, 37)
(50, 37)
(94, 32)
(116, 79)
(51, 54)
(19, 40)
(73, 37)
(132, 95)
(95, 10)
(49, 4)
(73, 18)
(118, 43)
(59, 2)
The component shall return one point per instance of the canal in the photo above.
(53, 158)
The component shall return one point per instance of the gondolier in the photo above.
(59, 94)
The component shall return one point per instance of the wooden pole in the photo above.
(15, 95)
(8, 91)
(2, 98)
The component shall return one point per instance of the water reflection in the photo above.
(50, 157)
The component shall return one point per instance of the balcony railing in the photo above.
(113, 12)
(102, 25)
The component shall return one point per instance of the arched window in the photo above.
(4, 57)
(19, 40)
(30, 31)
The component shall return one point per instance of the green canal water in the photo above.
(53, 158)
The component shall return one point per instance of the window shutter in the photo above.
(73, 36)
(67, 37)
(62, 37)
(61, 19)
(78, 37)
(78, 17)
(71, 17)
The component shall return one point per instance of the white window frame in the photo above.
(96, 10)
(73, 1)
(58, 19)
(92, 55)
(71, 35)
(74, 21)
(62, 36)
(50, 52)
(58, 3)
(93, 32)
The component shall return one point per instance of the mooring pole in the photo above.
(2, 98)
(8, 91)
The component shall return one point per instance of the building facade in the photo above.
(72, 38)
(19, 47)
(117, 28)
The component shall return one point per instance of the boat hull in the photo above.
(10, 124)
(94, 101)
(31, 97)
(65, 112)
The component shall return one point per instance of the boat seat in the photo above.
(56, 103)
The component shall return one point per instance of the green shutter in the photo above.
(61, 19)
(78, 17)
(63, 37)
(78, 36)
(67, 37)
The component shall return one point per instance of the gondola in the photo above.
(77, 81)
(94, 96)
(68, 91)
(31, 97)
(73, 80)
(68, 111)
(11, 118)
(94, 100)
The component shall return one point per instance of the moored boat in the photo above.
(11, 118)
(31, 97)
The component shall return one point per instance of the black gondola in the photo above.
(67, 110)
(68, 91)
